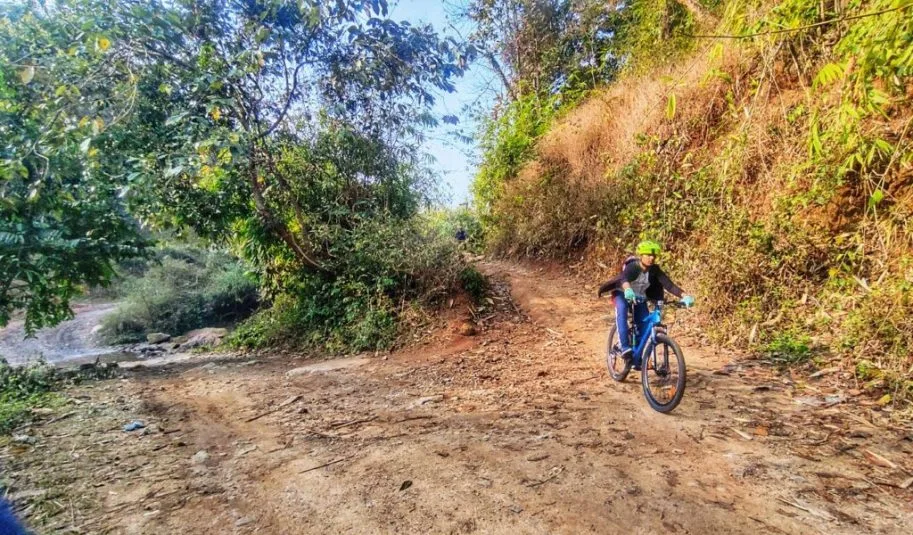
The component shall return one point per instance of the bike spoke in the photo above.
(662, 375)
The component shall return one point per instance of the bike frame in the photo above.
(652, 325)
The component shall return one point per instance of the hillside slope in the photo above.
(771, 155)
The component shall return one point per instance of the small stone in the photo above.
(204, 337)
(537, 457)
(200, 457)
(430, 399)
(24, 439)
(467, 329)
(515, 509)
(244, 521)
(299, 371)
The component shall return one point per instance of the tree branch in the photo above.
(500, 72)
(288, 103)
(277, 226)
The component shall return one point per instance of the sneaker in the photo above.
(627, 355)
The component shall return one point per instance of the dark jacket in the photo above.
(658, 280)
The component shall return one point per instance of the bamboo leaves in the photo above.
(828, 74)
(670, 107)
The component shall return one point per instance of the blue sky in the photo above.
(454, 159)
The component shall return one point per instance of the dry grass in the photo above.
(729, 182)
(601, 135)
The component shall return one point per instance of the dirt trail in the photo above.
(516, 430)
(70, 341)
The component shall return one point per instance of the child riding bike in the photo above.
(640, 276)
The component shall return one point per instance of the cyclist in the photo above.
(640, 275)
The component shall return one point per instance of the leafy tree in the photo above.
(544, 47)
(62, 224)
(280, 124)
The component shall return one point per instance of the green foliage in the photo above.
(866, 370)
(62, 222)
(379, 266)
(547, 47)
(870, 62)
(184, 290)
(878, 325)
(638, 35)
(651, 33)
(289, 123)
(789, 347)
(448, 221)
(508, 142)
(23, 389)
(474, 283)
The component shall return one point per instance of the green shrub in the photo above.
(507, 142)
(183, 290)
(474, 283)
(23, 389)
(382, 265)
(448, 221)
(789, 347)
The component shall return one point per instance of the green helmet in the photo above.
(648, 247)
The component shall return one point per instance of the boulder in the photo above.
(210, 336)
(157, 338)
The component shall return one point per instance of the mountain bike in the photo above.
(662, 365)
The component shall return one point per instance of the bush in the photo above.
(183, 290)
(382, 265)
(446, 222)
(474, 283)
(23, 389)
(790, 347)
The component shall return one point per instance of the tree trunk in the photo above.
(497, 68)
(281, 229)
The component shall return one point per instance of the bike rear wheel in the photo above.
(618, 367)
(663, 375)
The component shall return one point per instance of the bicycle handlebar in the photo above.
(673, 304)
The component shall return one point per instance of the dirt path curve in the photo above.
(70, 341)
(516, 430)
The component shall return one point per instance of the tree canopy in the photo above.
(282, 125)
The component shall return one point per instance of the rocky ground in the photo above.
(517, 429)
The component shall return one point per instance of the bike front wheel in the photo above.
(663, 375)
(618, 367)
